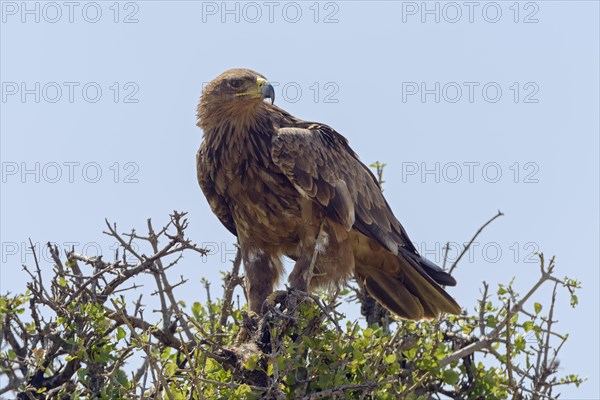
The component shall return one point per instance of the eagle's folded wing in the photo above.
(218, 204)
(321, 165)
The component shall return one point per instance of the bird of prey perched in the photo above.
(288, 187)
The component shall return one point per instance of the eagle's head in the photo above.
(235, 92)
(233, 96)
(238, 85)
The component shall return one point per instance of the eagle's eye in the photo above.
(236, 83)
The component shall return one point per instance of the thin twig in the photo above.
(468, 245)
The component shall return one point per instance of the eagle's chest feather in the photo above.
(263, 202)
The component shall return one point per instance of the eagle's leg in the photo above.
(262, 272)
(304, 270)
(301, 276)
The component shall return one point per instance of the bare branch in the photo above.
(468, 245)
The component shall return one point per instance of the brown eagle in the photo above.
(288, 187)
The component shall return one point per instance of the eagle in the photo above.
(288, 187)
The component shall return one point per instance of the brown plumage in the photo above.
(287, 187)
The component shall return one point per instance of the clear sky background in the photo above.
(474, 108)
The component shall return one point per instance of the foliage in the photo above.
(78, 335)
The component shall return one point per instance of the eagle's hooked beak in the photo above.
(266, 89)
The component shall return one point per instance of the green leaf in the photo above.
(121, 378)
(164, 355)
(251, 363)
(574, 300)
(390, 358)
(451, 376)
(490, 321)
(170, 369)
(62, 282)
(212, 366)
(243, 389)
(121, 333)
(537, 307)
(82, 373)
(197, 310)
(519, 343)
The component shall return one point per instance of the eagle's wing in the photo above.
(321, 165)
(218, 204)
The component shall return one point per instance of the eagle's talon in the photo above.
(288, 300)
(277, 297)
(248, 327)
(295, 298)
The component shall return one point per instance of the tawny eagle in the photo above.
(288, 187)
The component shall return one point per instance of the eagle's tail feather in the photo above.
(431, 269)
(408, 290)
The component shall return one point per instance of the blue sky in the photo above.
(475, 108)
